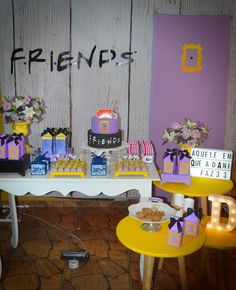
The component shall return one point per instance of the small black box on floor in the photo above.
(81, 255)
(20, 166)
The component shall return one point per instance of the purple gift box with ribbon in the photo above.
(176, 166)
(14, 148)
(40, 165)
(61, 141)
(169, 161)
(98, 165)
(175, 232)
(183, 162)
(55, 141)
(191, 222)
(48, 141)
(3, 147)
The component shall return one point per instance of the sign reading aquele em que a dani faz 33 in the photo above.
(211, 163)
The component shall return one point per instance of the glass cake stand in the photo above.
(150, 225)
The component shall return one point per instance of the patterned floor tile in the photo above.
(47, 228)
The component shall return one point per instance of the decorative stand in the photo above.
(175, 178)
(20, 166)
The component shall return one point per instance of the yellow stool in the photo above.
(221, 241)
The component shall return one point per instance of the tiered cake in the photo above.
(105, 130)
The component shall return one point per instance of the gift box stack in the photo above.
(176, 166)
(55, 141)
(12, 147)
(98, 165)
(40, 165)
(187, 225)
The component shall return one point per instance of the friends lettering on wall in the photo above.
(211, 163)
(64, 59)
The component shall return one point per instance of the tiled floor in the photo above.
(36, 265)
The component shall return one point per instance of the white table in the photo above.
(110, 185)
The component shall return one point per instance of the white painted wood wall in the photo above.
(73, 96)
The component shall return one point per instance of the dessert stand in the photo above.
(150, 225)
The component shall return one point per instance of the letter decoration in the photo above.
(215, 223)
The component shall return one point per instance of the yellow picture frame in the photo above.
(104, 126)
(198, 66)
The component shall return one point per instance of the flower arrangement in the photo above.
(23, 109)
(186, 132)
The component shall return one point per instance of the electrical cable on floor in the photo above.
(80, 242)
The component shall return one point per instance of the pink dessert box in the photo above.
(191, 223)
(175, 232)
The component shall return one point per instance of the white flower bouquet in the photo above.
(23, 109)
(186, 132)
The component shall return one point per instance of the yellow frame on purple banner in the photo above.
(198, 66)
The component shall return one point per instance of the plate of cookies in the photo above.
(151, 212)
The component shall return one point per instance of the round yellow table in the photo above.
(200, 187)
(154, 244)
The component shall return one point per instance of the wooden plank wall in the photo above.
(73, 95)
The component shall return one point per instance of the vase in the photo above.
(186, 147)
(22, 127)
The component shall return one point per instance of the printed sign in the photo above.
(211, 163)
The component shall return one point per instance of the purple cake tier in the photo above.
(104, 140)
(105, 125)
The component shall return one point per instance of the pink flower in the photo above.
(176, 125)
(14, 117)
(27, 100)
(196, 134)
(186, 133)
(7, 107)
(36, 105)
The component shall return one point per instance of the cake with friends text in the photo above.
(105, 130)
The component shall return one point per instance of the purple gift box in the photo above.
(14, 148)
(55, 141)
(175, 232)
(169, 161)
(191, 222)
(183, 162)
(3, 147)
(61, 143)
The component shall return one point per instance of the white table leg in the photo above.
(145, 194)
(14, 221)
(141, 266)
